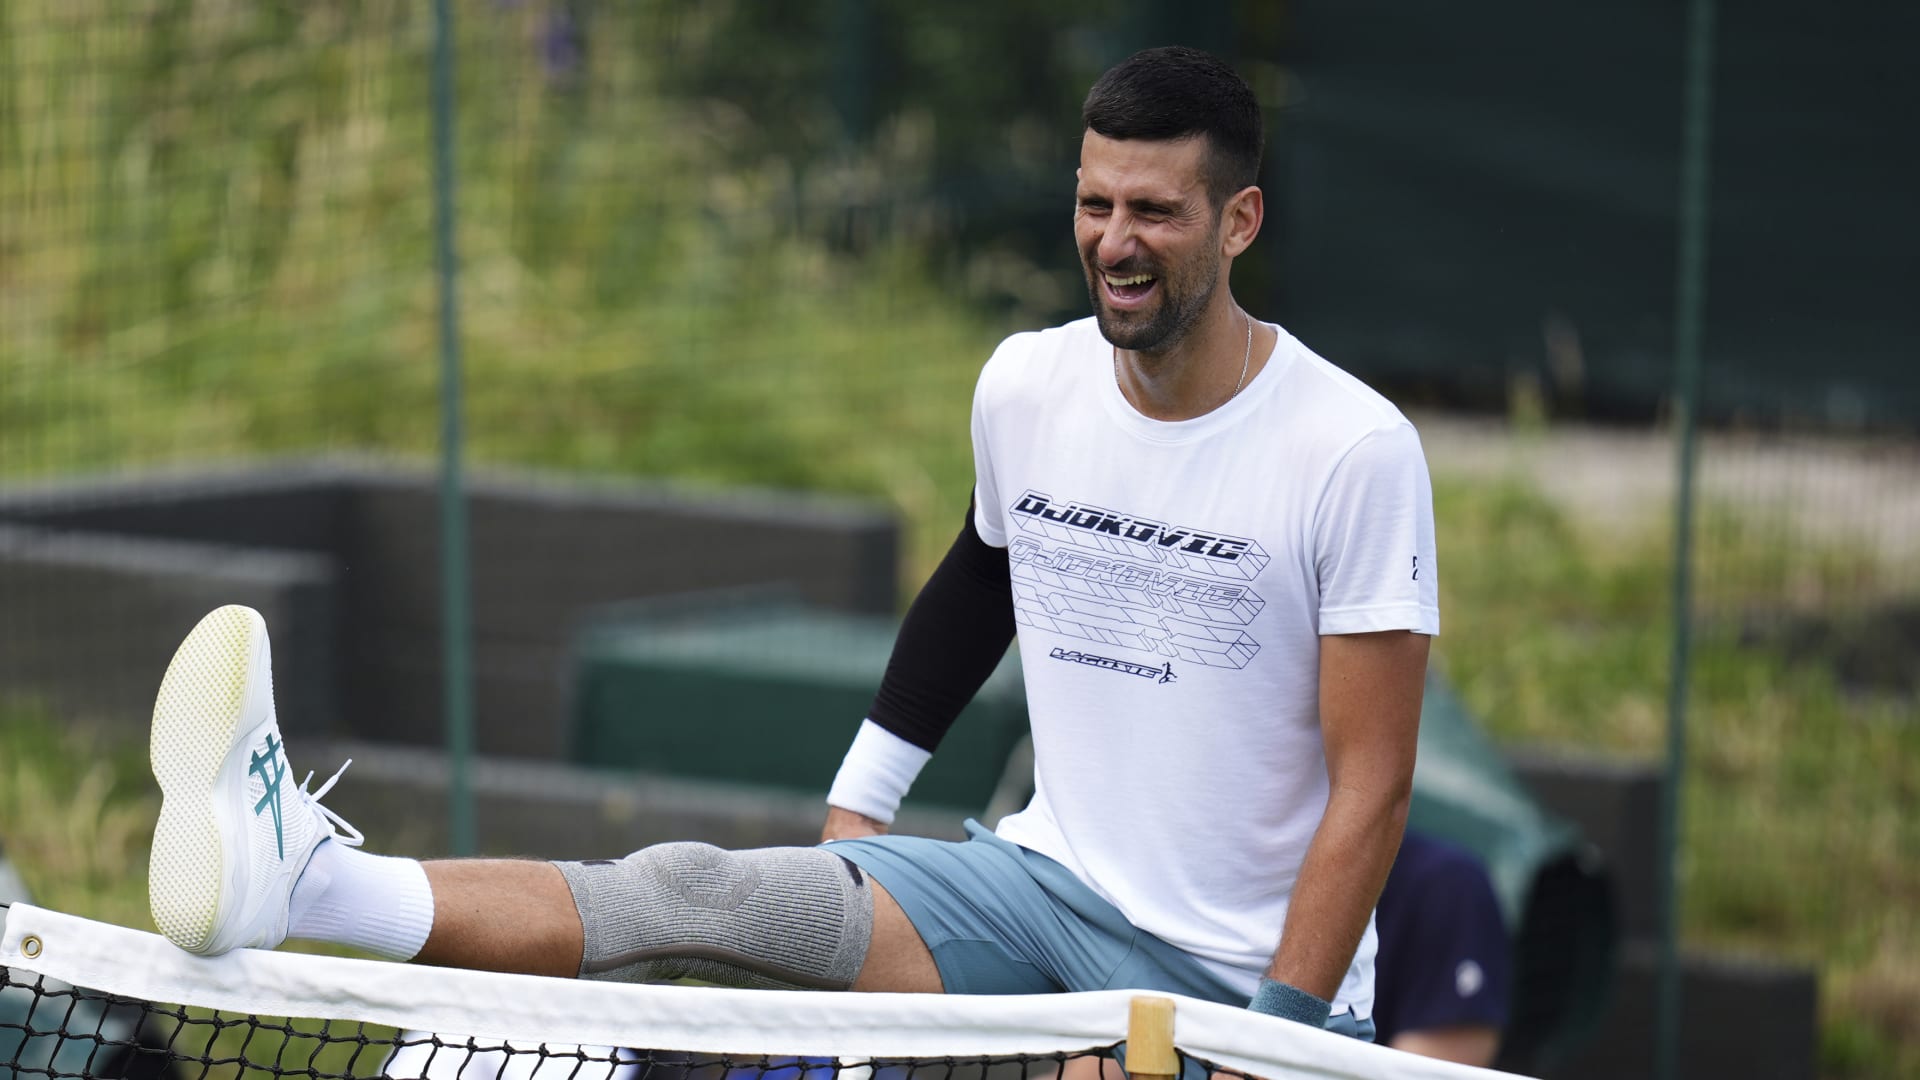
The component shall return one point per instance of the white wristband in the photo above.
(876, 773)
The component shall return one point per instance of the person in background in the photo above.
(1443, 973)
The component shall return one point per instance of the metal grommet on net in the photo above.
(30, 946)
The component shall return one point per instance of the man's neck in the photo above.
(1207, 368)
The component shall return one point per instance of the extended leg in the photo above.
(502, 915)
(781, 917)
(244, 856)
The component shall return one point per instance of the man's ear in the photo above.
(1240, 220)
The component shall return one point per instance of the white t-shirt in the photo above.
(1170, 584)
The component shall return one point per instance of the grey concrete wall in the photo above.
(92, 600)
(88, 621)
(544, 558)
(295, 505)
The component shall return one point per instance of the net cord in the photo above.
(487, 1005)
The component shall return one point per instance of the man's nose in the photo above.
(1117, 242)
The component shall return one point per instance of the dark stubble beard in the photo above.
(1183, 297)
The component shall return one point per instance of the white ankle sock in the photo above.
(352, 897)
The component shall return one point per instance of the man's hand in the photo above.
(847, 825)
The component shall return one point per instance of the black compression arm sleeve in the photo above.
(954, 636)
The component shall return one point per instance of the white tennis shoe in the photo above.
(234, 832)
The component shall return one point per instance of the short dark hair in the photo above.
(1173, 93)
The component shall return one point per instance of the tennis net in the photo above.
(85, 999)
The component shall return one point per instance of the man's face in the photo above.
(1149, 238)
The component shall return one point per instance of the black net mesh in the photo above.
(50, 1029)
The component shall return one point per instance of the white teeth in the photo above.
(1137, 279)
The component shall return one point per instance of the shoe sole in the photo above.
(202, 701)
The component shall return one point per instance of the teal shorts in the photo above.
(1000, 919)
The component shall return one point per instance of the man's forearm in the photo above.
(1339, 882)
(1370, 689)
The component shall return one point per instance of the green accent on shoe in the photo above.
(260, 765)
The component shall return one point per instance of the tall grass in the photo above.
(214, 222)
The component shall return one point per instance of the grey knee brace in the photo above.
(775, 918)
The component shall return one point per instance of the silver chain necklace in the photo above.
(1246, 358)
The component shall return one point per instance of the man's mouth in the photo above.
(1127, 288)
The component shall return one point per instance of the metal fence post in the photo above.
(1690, 291)
(456, 628)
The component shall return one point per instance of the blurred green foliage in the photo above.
(217, 221)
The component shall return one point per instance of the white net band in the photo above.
(490, 1006)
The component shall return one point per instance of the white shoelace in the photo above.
(342, 831)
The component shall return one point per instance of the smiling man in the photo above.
(1170, 481)
(1169, 484)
